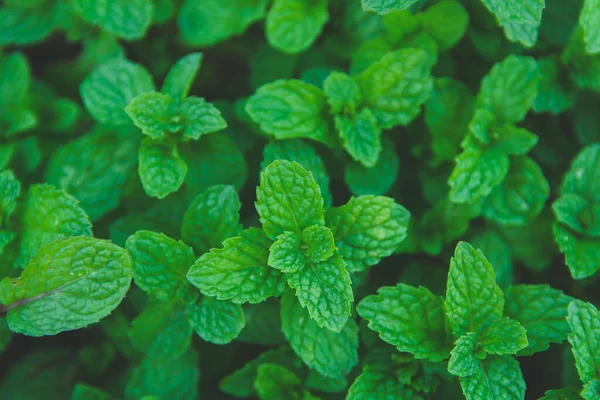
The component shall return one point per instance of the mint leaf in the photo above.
(199, 118)
(10, 189)
(15, 77)
(5, 335)
(520, 19)
(85, 392)
(379, 381)
(212, 217)
(325, 289)
(367, 229)
(216, 321)
(239, 270)
(513, 141)
(286, 255)
(290, 109)
(49, 214)
(68, 285)
(509, 89)
(555, 94)
(542, 311)
(463, 360)
(498, 377)
(152, 112)
(108, 89)
(332, 354)
(159, 263)
(386, 6)
(276, 382)
(521, 196)
(584, 320)
(127, 19)
(288, 199)
(562, 394)
(412, 319)
(589, 19)
(23, 24)
(395, 87)
(302, 153)
(591, 389)
(499, 254)
(161, 168)
(179, 80)
(293, 25)
(473, 300)
(507, 336)
(343, 93)
(318, 242)
(378, 179)
(446, 21)
(361, 136)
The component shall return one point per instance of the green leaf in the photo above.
(395, 87)
(562, 394)
(277, 383)
(591, 390)
(199, 118)
(513, 141)
(584, 320)
(554, 93)
(288, 199)
(5, 335)
(290, 109)
(473, 300)
(589, 19)
(179, 80)
(463, 360)
(498, 253)
(318, 382)
(542, 311)
(108, 89)
(367, 229)
(332, 354)
(378, 179)
(498, 377)
(159, 263)
(447, 21)
(509, 89)
(302, 153)
(581, 253)
(507, 336)
(212, 217)
(477, 173)
(85, 392)
(152, 113)
(412, 319)
(49, 214)
(325, 289)
(216, 321)
(386, 6)
(520, 19)
(197, 19)
(239, 270)
(15, 77)
(10, 189)
(68, 285)
(126, 19)
(361, 136)
(161, 168)
(343, 93)
(285, 253)
(576, 213)
(292, 26)
(379, 381)
(28, 23)
(521, 196)
(318, 242)
(103, 161)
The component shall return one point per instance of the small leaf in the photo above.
(361, 136)
(343, 93)
(584, 320)
(278, 383)
(498, 377)
(127, 19)
(318, 242)
(285, 254)
(520, 19)
(152, 112)
(10, 189)
(378, 179)
(161, 168)
(589, 19)
(200, 117)
(179, 80)
(216, 321)
(507, 336)
(463, 361)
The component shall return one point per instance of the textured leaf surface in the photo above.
(412, 319)
(378, 381)
(520, 19)
(498, 377)
(584, 320)
(386, 6)
(367, 229)
(555, 94)
(161, 168)
(68, 285)
(216, 321)
(152, 112)
(318, 242)
(589, 19)
(239, 270)
(332, 354)
(361, 136)
(506, 336)
(276, 382)
(463, 361)
(10, 189)
(127, 19)
(181, 76)
(285, 254)
(343, 93)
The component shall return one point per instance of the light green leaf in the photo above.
(554, 92)
(216, 321)
(332, 354)
(199, 118)
(274, 382)
(379, 381)
(10, 189)
(507, 336)
(395, 87)
(476, 174)
(386, 6)
(85, 392)
(361, 136)
(498, 377)
(542, 311)
(198, 19)
(15, 78)
(521, 196)
(463, 360)
(367, 229)
(473, 300)
(512, 140)
(591, 390)
(325, 289)
(318, 242)
(285, 254)
(108, 89)
(562, 394)
(509, 89)
(343, 93)
(49, 214)
(412, 319)
(288, 199)
(179, 80)
(520, 19)
(212, 217)
(581, 176)
(447, 21)
(152, 113)
(292, 26)
(584, 320)
(302, 153)
(290, 109)
(161, 168)
(589, 19)
(239, 270)
(159, 263)
(68, 285)
(581, 253)
(576, 213)
(29, 23)
(377, 180)
(126, 19)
